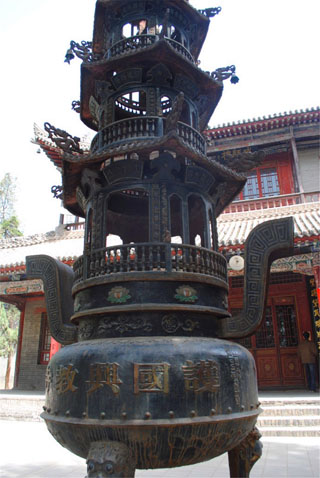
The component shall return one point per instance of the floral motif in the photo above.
(86, 330)
(119, 295)
(170, 324)
(185, 293)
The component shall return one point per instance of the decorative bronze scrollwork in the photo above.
(76, 106)
(58, 279)
(57, 192)
(82, 50)
(210, 12)
(266, 242)
(221, 74)
(62, 139)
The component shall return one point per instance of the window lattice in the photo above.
(287, 325)
(265, 335)
(44, 341)
(251, 188)
(269, 182)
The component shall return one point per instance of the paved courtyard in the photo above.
(27, 450)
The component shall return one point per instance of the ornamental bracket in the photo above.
(221, 74)
(64, 140)
(210, 12)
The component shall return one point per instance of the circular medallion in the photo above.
(170, 324)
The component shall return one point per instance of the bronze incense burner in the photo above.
(147, 378)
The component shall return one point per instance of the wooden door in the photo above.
(274, 346)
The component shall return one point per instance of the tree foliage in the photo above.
(9, 321)
(9, 223)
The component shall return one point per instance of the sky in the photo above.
(273, 44)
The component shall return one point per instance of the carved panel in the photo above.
(292, 371)
(155, 213)
(153, 103)
(183, 83)
(103, 89)
(126, 77)
(164, 213)
(98, 217)
(123, 170)
(159, 75)
(199, 177)
(94, 108)
(268, 369)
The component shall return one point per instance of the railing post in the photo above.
(159, 127)
(168, 257)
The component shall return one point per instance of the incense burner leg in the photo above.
(110, 459)
(243, 457)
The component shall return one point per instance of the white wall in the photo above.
(310, 169)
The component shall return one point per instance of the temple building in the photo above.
(284, 182)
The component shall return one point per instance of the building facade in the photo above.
(284, 181)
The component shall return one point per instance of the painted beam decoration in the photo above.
(314, 306)
(21, 287)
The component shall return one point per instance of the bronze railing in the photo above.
(150, 257)
(192, 137)
(144, 128)
(139, 42)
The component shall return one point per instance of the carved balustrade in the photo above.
(192, 137)
(144, 128)
(150, 257)
(180, 49)
(139, 42)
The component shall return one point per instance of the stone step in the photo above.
(312, 431)
(289, 421)
(313, 400)
(291, 410)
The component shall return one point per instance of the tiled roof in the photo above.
(61, 244)
(234, 228)
(270, 123)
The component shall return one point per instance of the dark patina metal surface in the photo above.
(145, 379)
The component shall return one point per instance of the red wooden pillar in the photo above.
(19, 347)
(54, 347)
(316, 273)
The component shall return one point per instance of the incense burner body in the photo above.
(172, 400)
